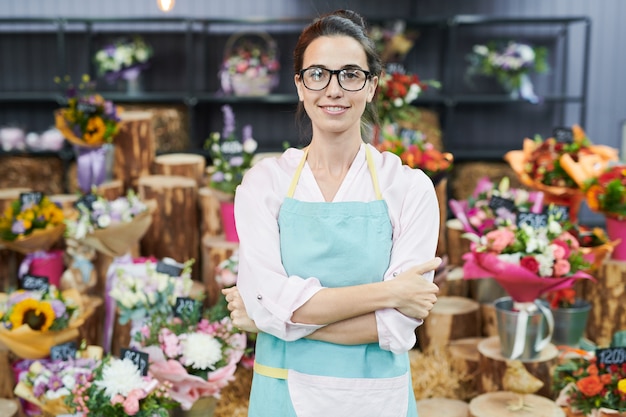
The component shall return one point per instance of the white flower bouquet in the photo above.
(123, 59)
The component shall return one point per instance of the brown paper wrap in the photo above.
(40, 239)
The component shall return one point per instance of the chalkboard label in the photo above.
(186, 306)
(563, 134)
(611, 356)
(86, 200)
(169, 267)
(496, 203)
(34, 283)
(63, 352)
(560, 213)
(31, 198)
(140, 359)
(534, 220)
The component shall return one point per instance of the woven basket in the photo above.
(249, 83)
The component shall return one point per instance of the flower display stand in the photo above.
(214, 250)
(183, 164)
(435, 407)
(135, 148)
(210, 220)
(492, 365)
(465, 351)
(496, 404)
(608, 302)
(451, 318)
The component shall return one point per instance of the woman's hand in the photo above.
(238, 312)
(415, 295)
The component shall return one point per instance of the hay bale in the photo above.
(465, 176)
(40, 173)
(170, 126)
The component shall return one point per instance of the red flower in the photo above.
(590, 385)
(530, 263)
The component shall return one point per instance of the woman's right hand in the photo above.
(415, 295)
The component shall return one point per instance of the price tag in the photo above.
(186, 306)
(87, 200)
(534, 220)
(140, 359)
(63, 352)
(560, 213)
(611, 356)
(34, 283)
(31, 198)
(563, 134)
(169, 267)
(496, 203)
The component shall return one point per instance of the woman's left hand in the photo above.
(238, 312)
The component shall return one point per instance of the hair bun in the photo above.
(352, 16)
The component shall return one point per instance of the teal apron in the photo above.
(341, 244)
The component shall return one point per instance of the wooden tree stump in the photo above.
(488, 320)
(182, 164)
(452, 318)
(454, 284)
(8, 407)
(112, 190)
(466, 351)
(174, 231)
(7, 381)
(608, 302)
(66, 201)
(457, 245)
(210, 217)
(437, 407)
(214, 250)
(492, 366)
(441, 189)
(496, 404)
(135, 148)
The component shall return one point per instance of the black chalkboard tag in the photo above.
(534, 220)
(63, 351)
(560, 213)
(31, 198)
(170, 267)
(563, 134)
(611, 356)
(86, 200)
(34, 283)
(496, 203)
(140, 359)
(186, 306)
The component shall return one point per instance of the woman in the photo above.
(334, 240)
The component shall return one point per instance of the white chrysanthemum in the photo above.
(120, 376)
(481, 50)
(545, 265)
(201, 351)
(69, 381)
(555, 228)
(510, 258)
(249, 145)
(60, 393)
(104, 221)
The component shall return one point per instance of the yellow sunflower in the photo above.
(38, 315)
(94, 133)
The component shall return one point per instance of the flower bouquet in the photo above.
(116, 388)
(544, 165)
(510, 63)
(31, 322)
(196, 356)
(110, 227)
(395, 94)
(32, 223)
(393, 42)
(123, 58)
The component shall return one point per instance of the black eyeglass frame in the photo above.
(368, 76)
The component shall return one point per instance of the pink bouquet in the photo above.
(528, 259)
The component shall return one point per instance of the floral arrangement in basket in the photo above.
(31, 223)
(548, 165)
(196, 355)
(88, 120)
(32, 321)
(415, 152)
(250, 66)
(117, 388)
(534, 256)
(493, 204)
(123, 58)
(510, 63)
(606, 193)
(230, 157)
(588, 386)
(395, 94)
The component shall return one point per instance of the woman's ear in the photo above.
(296, 81)
(372, 85)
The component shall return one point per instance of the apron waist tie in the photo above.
(270, 371)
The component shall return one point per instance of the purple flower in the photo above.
(39, 389)
(246, 132)
(59, 307)
(217, 176)
(236, 161)
(55, 383)
(18, 227)
(229, 121)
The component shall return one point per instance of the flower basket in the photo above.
(250, 66)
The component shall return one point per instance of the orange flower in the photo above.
(590, 385)
(592, 369)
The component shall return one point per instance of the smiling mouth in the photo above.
(334, 109)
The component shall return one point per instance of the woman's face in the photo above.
(333, 109)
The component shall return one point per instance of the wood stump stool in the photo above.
(488, 320)
(214, 250)
(452, 318)
(492, 366)
(135, 148)
(210, 217)
(608, 299)
(8, 407)
(496, 404)
(454, 284)
(466, 351)
(112, 190)
(456, 245)
(437, 407)
(182, 164)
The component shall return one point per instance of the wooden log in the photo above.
(452, 318)
(174, 231)
(214, 250)
(135, 148)
(183, 164)
(7, 381)
(608, 302)
(492, 366)
(436, 407)
(454, 284)
(496, 404)
(210, 217)
(465, 352)
(441, 189)
(457, 245)
(488, 320)
(112, 190)
(8, 407)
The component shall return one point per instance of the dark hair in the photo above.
(338, 23)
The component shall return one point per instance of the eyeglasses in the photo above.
(316, 78)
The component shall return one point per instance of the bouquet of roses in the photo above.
(198, 357)
(606, 192)
(552, 166)
(396, 93)
(117, 388)
(494, 204)
(527, 259)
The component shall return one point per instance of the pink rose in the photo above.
(499, 239)
(117, 399)
(571, 241)
(561, 249)
(561, 267)
(131, 405)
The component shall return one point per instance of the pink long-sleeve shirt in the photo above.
(271, 296)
